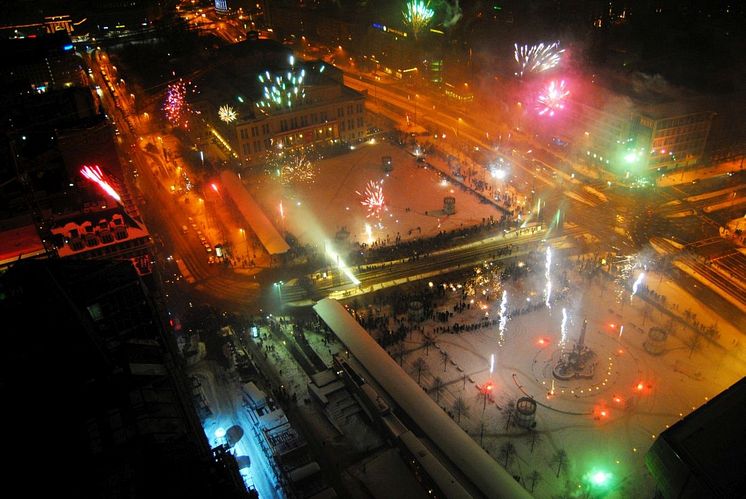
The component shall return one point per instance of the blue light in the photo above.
(68, 47)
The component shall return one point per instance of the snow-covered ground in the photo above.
(414, 195)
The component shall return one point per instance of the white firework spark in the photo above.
(492, 363)
(537, 58)
(227, 114)
(373, 198)
(503, 316)
(563, 328)
(547, 272)
(637, 283)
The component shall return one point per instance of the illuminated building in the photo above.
(314, 109)
(622, 125)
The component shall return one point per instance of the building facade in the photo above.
(338, 116)
(291, 106)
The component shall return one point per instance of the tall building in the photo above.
(41, 63)
(47, 138)
(95, 391)
(641, 124)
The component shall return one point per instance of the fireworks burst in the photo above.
(227, 114)
(373, 198)
(563, 328)
(94, 174)
(552, 98)
(418, 15)
(548, 288)
(503, 317)
(291, 167)
(176, 107)
(637, 283)
(537, 58)
(281, 91)
(486, 282)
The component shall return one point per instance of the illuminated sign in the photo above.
(393, 31)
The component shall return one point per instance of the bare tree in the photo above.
(437, 387)
(508, 413)
(534, 477)
(460, 408)
(445, 356)
(533, 438)
(507, 453)
(419, 366)
(693, 342)
(427, 342)
(560, 459)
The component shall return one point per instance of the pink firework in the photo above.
(373, 198)
(94, 174)
(175, 105)
(552, 98)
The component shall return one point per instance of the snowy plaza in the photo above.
(631, 397)
(413, 193)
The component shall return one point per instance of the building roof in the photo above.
(483, 471)
(268, 235)
(703, 454)
(19, 243)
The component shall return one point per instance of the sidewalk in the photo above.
(686, 176)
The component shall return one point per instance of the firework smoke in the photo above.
(453, 14)
(563, 328)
